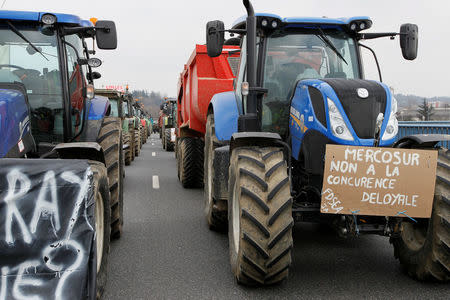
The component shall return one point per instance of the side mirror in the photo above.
(93, 76)
(409, 40)
(106, 35)
(215, 36)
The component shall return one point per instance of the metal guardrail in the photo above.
(424, 127)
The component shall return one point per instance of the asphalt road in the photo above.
(168, 252)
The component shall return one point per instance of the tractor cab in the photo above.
(46, 56)
(278, 53)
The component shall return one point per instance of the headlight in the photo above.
(337, 123)
(392, 127)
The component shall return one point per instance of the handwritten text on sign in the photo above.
(378, 181)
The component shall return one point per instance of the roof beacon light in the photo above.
(93, 20)
(48, 19)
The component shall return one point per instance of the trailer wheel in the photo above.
(168, 145)
(137, 141)
(178, 156)
(191, 162)
(423, 248)
(102, 222)
(259, 216)
(216, 215)
(128, 155)
(110, 138)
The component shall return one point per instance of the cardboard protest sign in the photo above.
(378, 181)
(47, 226)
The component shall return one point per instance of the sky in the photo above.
(156, 38)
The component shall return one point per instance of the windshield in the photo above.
(114, 107)
(125, 108)
(293, 56)
(19, 62)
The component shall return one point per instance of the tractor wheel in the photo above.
(163, 136)
(110, 138)
(178, 156)
(259, 216)
(423, 248)
(144, 134)
(102, 222)
(141, 129)
(167, 141)
(128, 155)
(215, 209)
(132, 143)
(191, 162)
(137, 141)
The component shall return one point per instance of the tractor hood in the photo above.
(15, 132)
(356, 103)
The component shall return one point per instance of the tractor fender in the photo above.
(98, 108)
(226, 108)
(261, 139)
(421, 140)
(80, 150)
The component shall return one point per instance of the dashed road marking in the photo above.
(153, 154)
(155, 182)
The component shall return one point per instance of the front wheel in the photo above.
(137, 141)
(110, 138)
(423, 248)
(259, 216)
(102, 222)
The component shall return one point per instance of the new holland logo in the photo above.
(362, 93)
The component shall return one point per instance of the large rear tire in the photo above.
(168, 144)
(423, 248)
(110, 138)
(215, 209)
(191, 162)
(259, 216)
(102, 223)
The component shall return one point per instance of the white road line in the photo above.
(155, 182)
(153, 154)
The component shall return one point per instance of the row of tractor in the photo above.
(279, 126)
(62, 158)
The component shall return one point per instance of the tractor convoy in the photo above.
(62, 158)
(278, 124)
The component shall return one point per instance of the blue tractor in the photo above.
(301, 87)
(48, 112)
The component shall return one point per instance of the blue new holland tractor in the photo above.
(301, 87)
(48, 112)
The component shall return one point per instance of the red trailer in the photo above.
(201, 79)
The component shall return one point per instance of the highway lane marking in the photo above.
(153, 154)
(155, 182)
